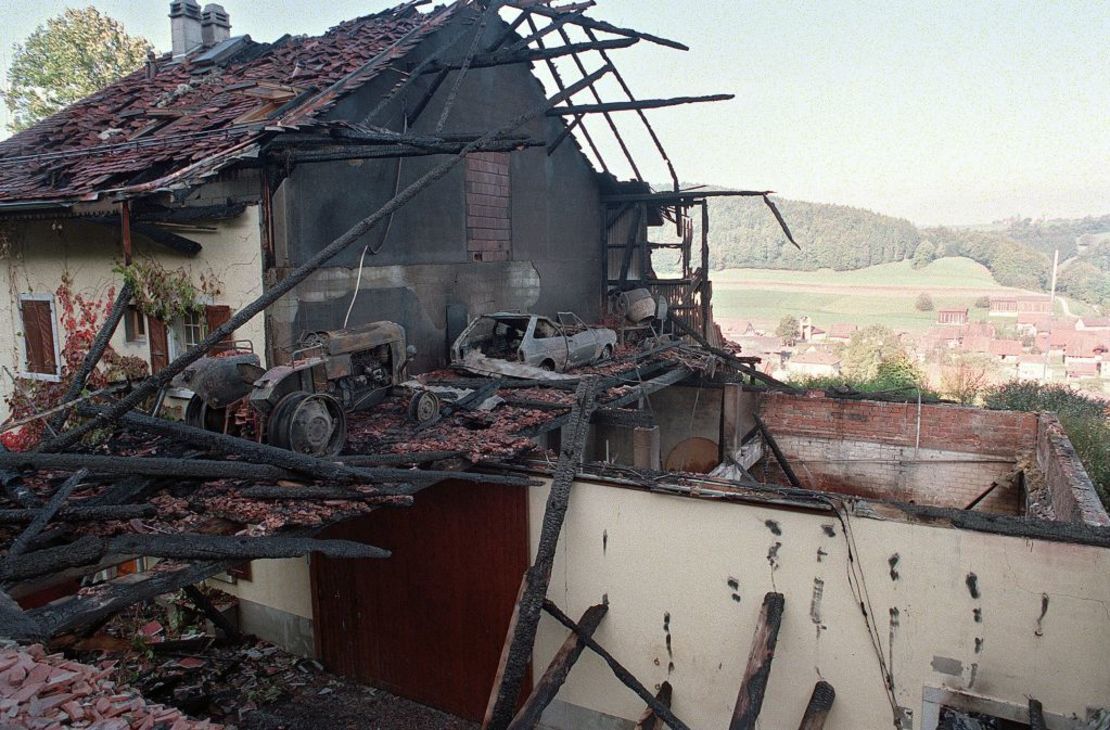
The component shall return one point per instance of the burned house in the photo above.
(664, 535)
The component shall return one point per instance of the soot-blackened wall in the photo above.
(426, 262)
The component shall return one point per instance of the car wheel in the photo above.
(548, 365)
(607, 352)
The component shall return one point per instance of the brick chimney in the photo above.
(185, 26)
(215, 25)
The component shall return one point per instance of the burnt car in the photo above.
(534, 340)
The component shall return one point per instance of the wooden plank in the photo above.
(517, 650)
(639, 104)
(1036, 715)
(548, 685)
(214, 615)
(779, 456)
(626, 678)
(820, 702)
(44, 515)
(650, 720)
(749, 701)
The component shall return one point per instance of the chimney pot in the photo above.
(185, 26)
(215, 25)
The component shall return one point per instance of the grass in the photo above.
(942, 273)
(737, 293)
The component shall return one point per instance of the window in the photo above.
(190, 329)
(40, 352)
(134, 325)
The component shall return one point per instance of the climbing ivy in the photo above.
(167, 294)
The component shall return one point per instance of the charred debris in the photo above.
(249, 477)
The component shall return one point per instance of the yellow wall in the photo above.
(41, 251)
(281, 584)
(655, 555)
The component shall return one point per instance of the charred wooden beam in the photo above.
(820, 703)
(237, 547)
(154, 383)
(585, 22)
(21, 543)
(597, 98)
(83, 551)
(310, 466)
(201, 601)
(658, 707)
(18, 492)
(369, 152)
(16, 624)
(627, 106)
(730, 358)
(1036, 715)
(548, 685)
(539, 34)
(413, 457)
(650, 720)
(81, 610)
(147, 466)
(509, 57)
(96, 513)
(517, 650)
(780, 457)
(96, 351)
(749, 701)
(325, 493)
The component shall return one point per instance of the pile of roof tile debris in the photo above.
(40, 690)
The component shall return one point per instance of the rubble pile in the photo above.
(40, 690)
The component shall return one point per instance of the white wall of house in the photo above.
(675, 567)
(38, 253)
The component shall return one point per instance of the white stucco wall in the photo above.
(657, 556)
(40, 252)
(283, 585)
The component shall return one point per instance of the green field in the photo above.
(883, 294)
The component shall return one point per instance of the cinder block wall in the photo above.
(878, 450)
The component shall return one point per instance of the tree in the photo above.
(788, 329)
(966, 375)
(924, 302)
(868, 349)
(924, 255)
(68, 58)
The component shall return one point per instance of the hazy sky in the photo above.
(941, 112)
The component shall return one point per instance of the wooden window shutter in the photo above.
(159, 344)
(215, 315)
(38, 334)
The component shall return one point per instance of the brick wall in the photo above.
(871, 449)
(1070, 490)
(489, 230)
(934, 477)
(950, 428)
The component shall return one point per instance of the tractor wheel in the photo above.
(424, 407)
(199, 414)
(308, 423)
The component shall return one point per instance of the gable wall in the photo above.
(427, 261)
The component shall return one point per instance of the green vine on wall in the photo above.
(167, 294)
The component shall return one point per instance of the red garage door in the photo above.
(427, 623)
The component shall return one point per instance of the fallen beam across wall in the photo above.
(650, 720)
(517, 650)
(820, 703)
(147, 466)
(21, 543)
(548, 685)
(655, 704)
(780, 457)
(749, 701)
(301, 493)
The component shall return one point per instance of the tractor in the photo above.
(303, 406)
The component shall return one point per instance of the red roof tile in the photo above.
(103, 143)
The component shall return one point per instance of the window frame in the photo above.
(133, 319)
(24, 365)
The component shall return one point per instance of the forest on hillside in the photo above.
(1018, 252)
